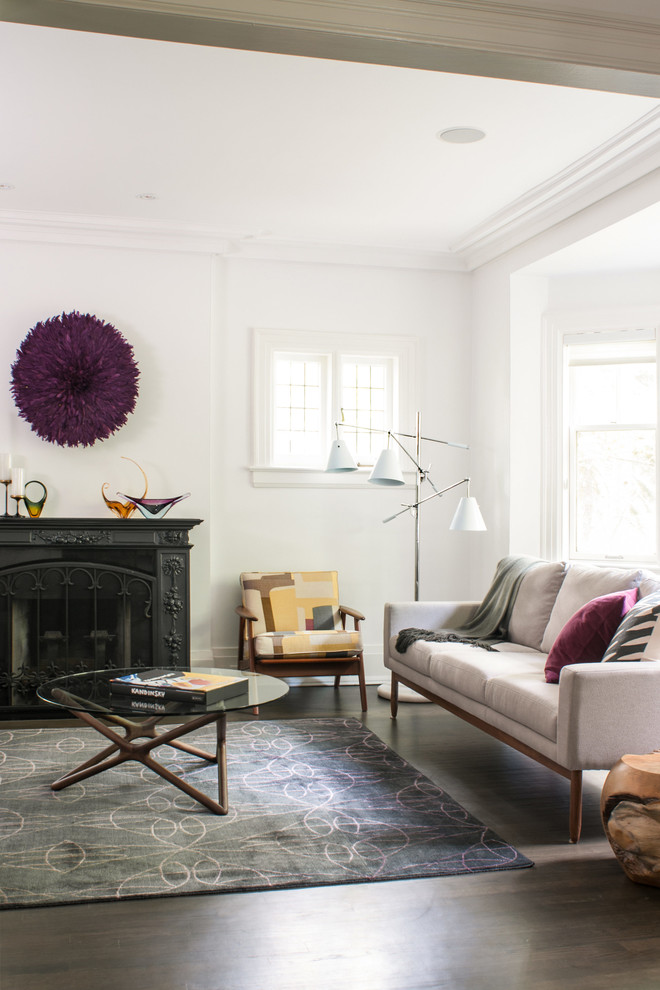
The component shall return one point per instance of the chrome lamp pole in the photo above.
(386, 471)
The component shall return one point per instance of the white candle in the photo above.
(17, 487)
(5, 467)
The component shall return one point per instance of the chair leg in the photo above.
(337, 680)
(363, 686)
(241, 643)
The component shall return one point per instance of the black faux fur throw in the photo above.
(407, 637)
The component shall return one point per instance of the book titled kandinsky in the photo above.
(179, 685)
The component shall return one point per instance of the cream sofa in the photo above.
(596, 713)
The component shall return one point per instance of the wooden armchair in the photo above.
(294, 626)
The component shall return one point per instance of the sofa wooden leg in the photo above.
(394, 696)
(575, 813)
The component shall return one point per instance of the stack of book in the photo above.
(151, 688)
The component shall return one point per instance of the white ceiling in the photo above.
(278, 148)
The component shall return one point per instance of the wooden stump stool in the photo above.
(630, 808)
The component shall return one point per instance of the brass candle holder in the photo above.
(17, 499)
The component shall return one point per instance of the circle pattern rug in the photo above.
(312, 802)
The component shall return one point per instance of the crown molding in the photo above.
(137, 234)
(373, 256)
(630, 155)
(554, 43)
(101, 231)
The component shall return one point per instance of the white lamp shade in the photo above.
(340, 458)
(468, 515)
(387, 470)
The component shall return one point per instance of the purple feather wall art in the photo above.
(75, 380)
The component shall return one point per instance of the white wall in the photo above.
(508, 367)
(272, 528)
(161, 303)
(189, 318)
(603, 290)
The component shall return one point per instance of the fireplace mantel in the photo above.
(88, 593)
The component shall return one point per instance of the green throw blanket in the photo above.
(491, 619)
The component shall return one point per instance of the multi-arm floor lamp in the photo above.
(387, 471)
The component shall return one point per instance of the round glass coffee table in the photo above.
(88, 697)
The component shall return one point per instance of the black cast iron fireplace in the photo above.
(89, 594)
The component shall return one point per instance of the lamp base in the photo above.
(405, 694)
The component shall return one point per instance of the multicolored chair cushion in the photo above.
(297, 614)
(318, 643)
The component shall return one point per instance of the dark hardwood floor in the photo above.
(573, 920)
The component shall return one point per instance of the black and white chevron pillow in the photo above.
(634, 633)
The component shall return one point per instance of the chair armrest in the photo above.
(424, 615)
(357, 617)
(245, 613)
(245, 634)
(607, 710)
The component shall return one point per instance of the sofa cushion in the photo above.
(527, 699)
(581, 585)
(649, 583)
(534, 602)
(638, 636)
(467, 669)
(587, 634)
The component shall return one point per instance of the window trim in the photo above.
(266, 343)
(555, 543)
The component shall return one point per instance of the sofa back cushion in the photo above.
(638, 636)
(581, 585)
(587, 634)
(534, 602)
(649, 583)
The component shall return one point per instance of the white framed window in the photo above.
(602, 458)
(305, 382)
(300, 407)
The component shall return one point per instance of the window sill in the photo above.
(282, 477)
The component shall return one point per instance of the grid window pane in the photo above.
(282, 419)
(297, 413)
(365, 400)
(298, 420)
(305, 382)
(377, 376)
(364, 376)
(349, 375)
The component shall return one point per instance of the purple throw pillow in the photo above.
(588, 633)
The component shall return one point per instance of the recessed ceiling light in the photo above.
(461, 135)
(146, 196)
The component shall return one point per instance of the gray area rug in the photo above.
(312, 802)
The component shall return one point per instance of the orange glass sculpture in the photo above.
(123, 509)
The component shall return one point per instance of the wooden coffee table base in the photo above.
(126, 748)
